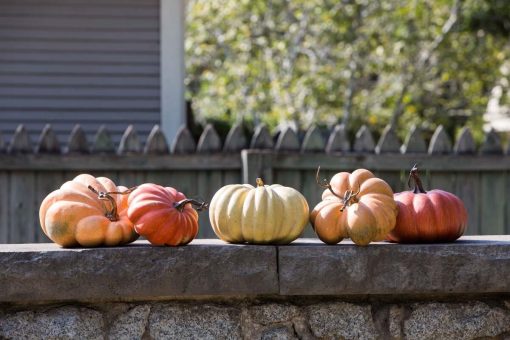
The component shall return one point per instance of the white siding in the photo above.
(89, 62)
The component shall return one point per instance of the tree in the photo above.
(354, 61)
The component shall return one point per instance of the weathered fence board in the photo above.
(131, 178)
(338, 141)
(313, 141)
(232, 177)
(5, 222)
(23, 226)
(156, 142)
(465, 143)
(45, 182)
(236, 140)
(414, 142)
(198, 168)
(391, 162)
(99, 162)
(364, 142)
(493, 203)
(129, 143)
(48, 142)
(207, 183)
(312, 192)
(77, 141)
(467, 187)
(440, 142)
(394, 179)
(103, 141)
(442, 180)
(507, 204)
(257, 164)
(388, 143)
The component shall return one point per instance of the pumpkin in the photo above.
(354, 205)
(433, 216)
(265, 214)
(84, 212)
(163, 215)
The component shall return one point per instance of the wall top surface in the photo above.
(212, 268)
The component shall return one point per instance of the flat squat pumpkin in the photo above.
(265, 214)
(88, 212)
(354, 205)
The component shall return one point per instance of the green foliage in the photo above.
(352, 61)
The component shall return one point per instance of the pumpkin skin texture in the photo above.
(366, 212)
(266, 214)
(433, 216)
(75, 216)
(163, 215)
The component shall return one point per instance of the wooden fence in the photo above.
(29, 171)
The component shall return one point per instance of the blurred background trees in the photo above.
(355, 62)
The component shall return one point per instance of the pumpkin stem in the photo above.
(260, 182)
(111, 214)
(349, 196)
(418, 185)
(182, 203)
(324, 183)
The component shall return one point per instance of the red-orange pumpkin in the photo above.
(433, 216)
(163, 215)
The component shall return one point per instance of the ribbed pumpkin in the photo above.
(163, 215)
(88, 212)
(265, 214)
(433, 216)
(354, 205)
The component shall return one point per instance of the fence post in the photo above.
(257, 164)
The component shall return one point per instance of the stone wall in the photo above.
(211, 290)
(249, 319)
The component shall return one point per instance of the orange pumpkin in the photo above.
(433, 216)
(358, 205)
(83, 212)
(163, 215)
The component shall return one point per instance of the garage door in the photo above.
(87, 62)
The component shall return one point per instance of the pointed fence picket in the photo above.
(48, 142)
(465, 144)
(364, 142)
(183, 142)
(77, 142)
(20, 142)
(236, 140)
(414, 143)
(338, 141)
(103, 141)
(261, 138)
(129, 143)
(209, 141)
(156, 142)
(198, 168)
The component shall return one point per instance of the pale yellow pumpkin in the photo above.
(266, 214)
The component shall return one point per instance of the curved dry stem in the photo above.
(349, 196)
(199, 206)
(125, 192)
(324, 183)
(112, 213)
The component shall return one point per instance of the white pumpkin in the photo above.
(264, 214)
